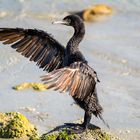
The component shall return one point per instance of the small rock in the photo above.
(3, 14)
(28, 109)
(33, 85)
(89, 134)
(127, 131)
(95, 12)
(16, 125)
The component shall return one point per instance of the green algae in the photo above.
(16, 125)
(96, 134)
(35, 86)
(61, 135)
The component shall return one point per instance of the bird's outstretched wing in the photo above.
(79, 79)
(36, 45)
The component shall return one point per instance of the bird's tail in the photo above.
(98, 113)
(106, 124)
(98, 109)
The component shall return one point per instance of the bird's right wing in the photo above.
(36, 45)
(78, 78)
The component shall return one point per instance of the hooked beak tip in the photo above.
(53, 22)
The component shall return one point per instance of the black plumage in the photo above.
(36, 45)
(67, 67)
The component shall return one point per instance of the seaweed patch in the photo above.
(35, 86)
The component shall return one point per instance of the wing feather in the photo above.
(78, 78)
(37, 45)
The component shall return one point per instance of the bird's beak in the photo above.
(60, 22)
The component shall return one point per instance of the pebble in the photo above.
(127, 131)
(3, 14)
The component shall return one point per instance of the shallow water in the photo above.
(112, 48)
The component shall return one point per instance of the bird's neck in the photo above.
(77, 37)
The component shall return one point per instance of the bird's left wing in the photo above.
(78, 78)
(37, 45)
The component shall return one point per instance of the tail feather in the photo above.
(98, 113)
(98, 108)
(106, 124)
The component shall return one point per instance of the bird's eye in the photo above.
(68, 20)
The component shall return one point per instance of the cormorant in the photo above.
(67, 68)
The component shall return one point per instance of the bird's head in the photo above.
(71, 20)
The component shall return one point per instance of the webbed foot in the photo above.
(75, 128)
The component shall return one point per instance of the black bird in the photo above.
(67, 67)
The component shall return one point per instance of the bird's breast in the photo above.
(73, 57)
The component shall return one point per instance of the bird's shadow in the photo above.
(69, 127)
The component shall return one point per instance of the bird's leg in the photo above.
(79, 128)
(87, 118)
